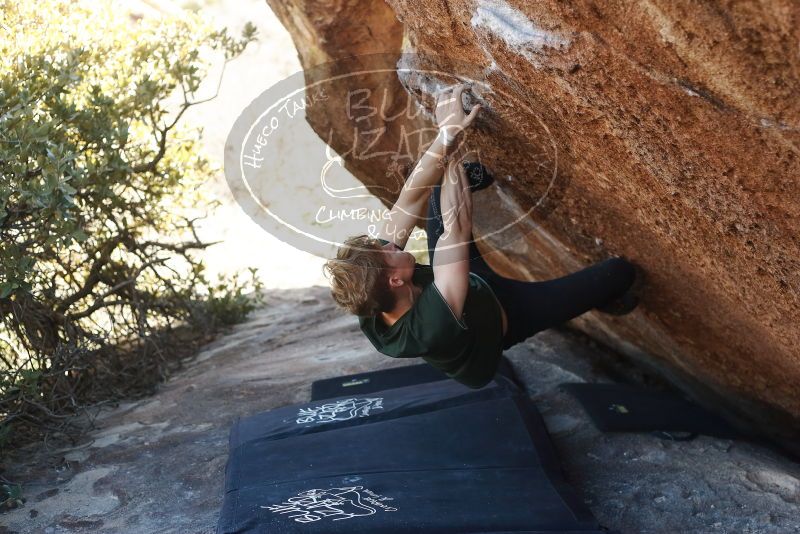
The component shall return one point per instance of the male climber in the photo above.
(456, 313)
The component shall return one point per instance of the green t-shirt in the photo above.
(467, 349)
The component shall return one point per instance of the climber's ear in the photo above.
(394, 279)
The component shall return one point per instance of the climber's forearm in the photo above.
(408, 210)
(428, 170)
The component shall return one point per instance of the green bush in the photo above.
(101, 292)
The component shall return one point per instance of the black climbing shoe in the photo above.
(479, 177)
(621, 306)
(629, 300)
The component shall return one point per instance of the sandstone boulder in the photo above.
(665, 132)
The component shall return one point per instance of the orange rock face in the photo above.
(666, 131)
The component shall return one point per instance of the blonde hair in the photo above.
(358, 278)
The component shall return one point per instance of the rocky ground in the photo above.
(156, 465)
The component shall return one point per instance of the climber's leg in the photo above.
(535, 306)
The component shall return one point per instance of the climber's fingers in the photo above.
(473, 114)
(449, 110)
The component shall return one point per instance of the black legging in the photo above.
(535, 306)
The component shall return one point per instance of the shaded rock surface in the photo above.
(156, 465)
(667, 132)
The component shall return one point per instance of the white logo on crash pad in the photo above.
(333, 503)
(340, 410)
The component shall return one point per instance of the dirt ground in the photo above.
(156, 465)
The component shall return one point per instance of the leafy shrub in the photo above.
(101, 292)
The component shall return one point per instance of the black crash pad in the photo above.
(429, 457)
(628, 408)
(388, 379)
